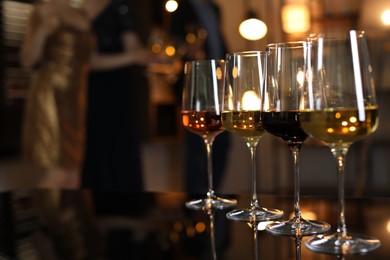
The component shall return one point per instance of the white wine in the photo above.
(341, 125)
(246, 124)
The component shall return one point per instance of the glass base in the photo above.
(297, 227)
(254, 215)
(337, 245)
(212, 203)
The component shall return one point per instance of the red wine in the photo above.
(203, 123)
(285, 125)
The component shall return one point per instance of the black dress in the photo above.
(112, 160)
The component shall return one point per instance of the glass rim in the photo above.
(289, 44)
(336, 35)
(246, 53)
(204, 61)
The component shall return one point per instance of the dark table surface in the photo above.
(85, 224)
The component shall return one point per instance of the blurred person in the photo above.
(113, 148)
(56, 48)
(197, 24)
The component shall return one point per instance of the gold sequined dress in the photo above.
(54, 123)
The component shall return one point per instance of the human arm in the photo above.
(42, 22)
(134, 54)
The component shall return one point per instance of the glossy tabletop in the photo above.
(85, 224)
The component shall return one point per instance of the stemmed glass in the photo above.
(286, 64)
(241, 116)
(201, 114)
(340, 108)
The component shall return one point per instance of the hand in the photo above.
(139, 57)
(48, 13)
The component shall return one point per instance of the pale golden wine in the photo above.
(342, 125)
(246, 124)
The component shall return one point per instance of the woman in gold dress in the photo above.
(57, 47)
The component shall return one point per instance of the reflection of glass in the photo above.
(241, 116)
(202, 94)
(285, 74)
(201, 114)
(340, 108)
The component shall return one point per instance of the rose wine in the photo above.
(286, 125)
(246, 124)
(203, 123)
(342, 125)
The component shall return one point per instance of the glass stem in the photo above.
(212, 236)
(297, 200)
(341, 257)
(298, 248)
(339, 153)
(209, 147)
(254, 201)
(255, 240)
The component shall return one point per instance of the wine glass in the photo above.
(241, 116)
(201, 114)
(280, 115)
(340, 108)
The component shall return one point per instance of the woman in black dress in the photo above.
(113, 160)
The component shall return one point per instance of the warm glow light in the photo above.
(190, 38)
(250, 101)
(219, 73)
(386, 17)
(353, 119)
(295, 18)
(235, 72)
(156, 48)
(388, 226)
(300, 77)
(200, 227)
(170, 50)
(265, 102)
(306, 214)
(171, 5)
(253, 29)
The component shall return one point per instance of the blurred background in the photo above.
(368, 164)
